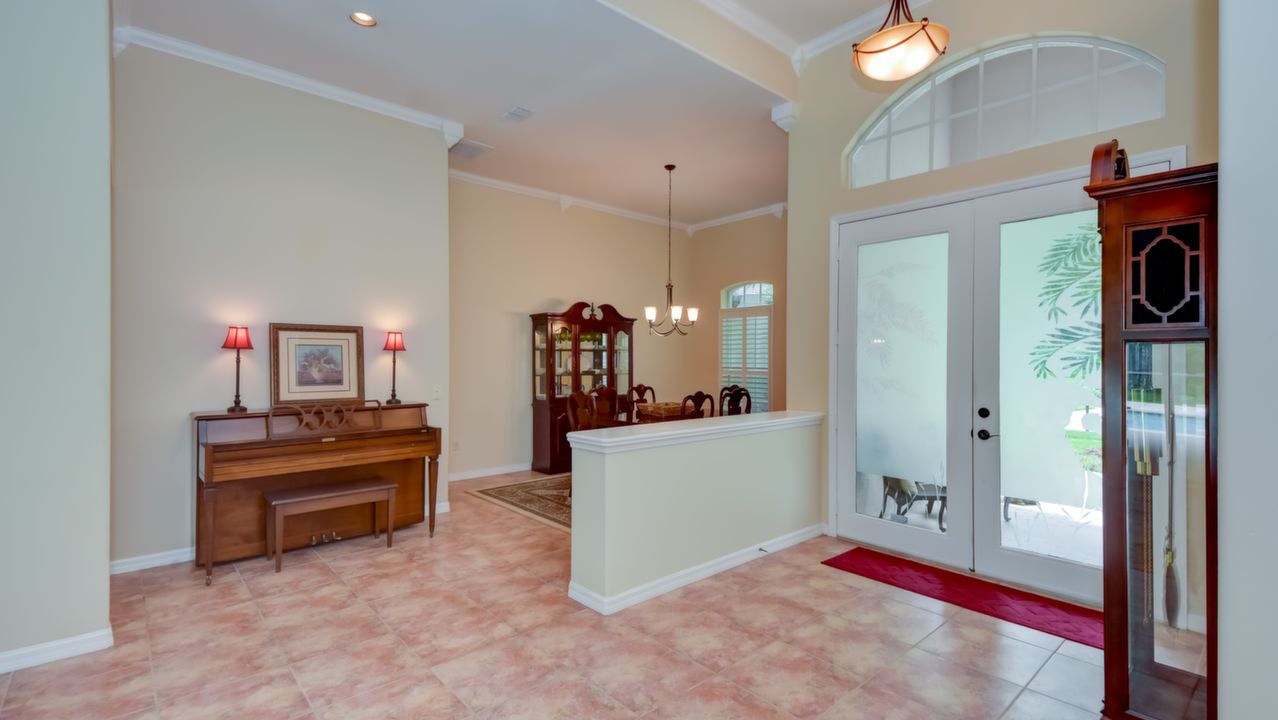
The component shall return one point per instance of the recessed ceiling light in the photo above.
(363, 19)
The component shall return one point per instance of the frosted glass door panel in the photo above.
(1050, 386)
(901, 368)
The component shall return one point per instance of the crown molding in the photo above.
(565, 201)
(568, 201)
(122, 37)
(743, 18)
(783, 115)
(848, 32)
(777, 210)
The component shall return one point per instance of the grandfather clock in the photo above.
(1158, 235)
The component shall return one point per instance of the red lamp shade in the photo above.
(237, 338)
(394, 341)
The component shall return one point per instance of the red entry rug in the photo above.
(1060, 618)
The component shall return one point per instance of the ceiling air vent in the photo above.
(518, 113)
(470, 149)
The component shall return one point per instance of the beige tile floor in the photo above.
(475, 623)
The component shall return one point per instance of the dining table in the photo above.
(655, 412)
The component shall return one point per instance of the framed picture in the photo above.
(316, 364)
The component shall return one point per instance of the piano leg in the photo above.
(433, 474)
(206, 527)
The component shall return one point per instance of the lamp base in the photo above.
(394, 401)
(237, 409)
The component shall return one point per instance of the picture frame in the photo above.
(316, 364)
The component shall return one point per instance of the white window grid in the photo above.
(883, 126)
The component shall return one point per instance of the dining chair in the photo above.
(693, 405)
(730, 400)
(604, 400)
(581, 412)
(643, 394)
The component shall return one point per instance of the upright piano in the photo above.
(238, 457)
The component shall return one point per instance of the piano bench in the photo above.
(283, 503)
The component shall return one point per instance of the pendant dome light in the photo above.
(902, 47)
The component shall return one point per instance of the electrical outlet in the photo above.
(435, 392)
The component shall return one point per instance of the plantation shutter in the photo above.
(745, 353)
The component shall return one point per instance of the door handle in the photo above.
(984, 434)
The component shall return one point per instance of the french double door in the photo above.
(968, 418)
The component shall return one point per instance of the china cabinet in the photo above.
(581, 348)
(1159, 382)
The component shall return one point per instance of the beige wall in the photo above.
(1248, 345)
(513, 255)
(834, 103)
(726, 255)
(242, 202)
(55, 258)
(742, 483)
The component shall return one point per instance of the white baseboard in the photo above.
(181, 555)
(614, 603)
(33, 655)
(142, 562)
(485, 472)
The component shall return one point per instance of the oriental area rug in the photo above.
(546, 499)
(1073, 622)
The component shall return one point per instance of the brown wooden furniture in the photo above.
(580, 349)
(282, 504)
(643, 394)
(661, 412)
(731, 400)
(605, 401)
(239, 457)
(580, 412)
(1159, 382)
(694, 405)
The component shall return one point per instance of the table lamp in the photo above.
(237, 339)
(394, 343)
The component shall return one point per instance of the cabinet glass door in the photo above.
(562, 358)
(1166, 437)
(539, 364)
(593, 346)
(621, 365)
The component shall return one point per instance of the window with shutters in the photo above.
(745, 341)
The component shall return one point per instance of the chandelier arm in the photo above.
(904, 40)
(939, 50)
(904, 10)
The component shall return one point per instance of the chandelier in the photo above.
(674, 313)
(901, 47)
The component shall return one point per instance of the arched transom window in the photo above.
(750, 294)
(1014, 96)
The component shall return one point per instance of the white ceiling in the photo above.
(614, 100)
(798, 22)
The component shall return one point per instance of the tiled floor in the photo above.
(475, 624)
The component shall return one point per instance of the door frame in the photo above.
(955, 222)
(1077, 581)
(1168, 158)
